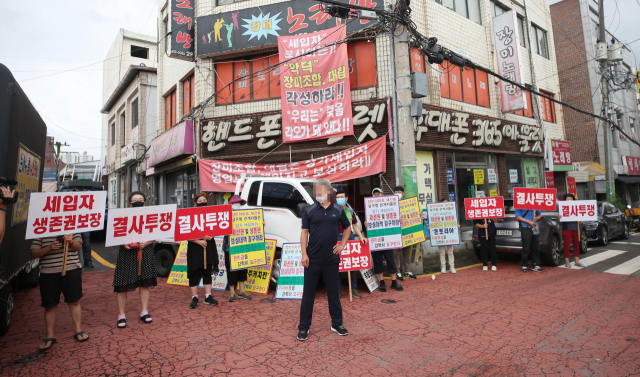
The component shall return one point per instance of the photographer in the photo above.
(7, 195)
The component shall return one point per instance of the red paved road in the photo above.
(561, 322)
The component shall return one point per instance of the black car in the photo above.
(611, 223)
(509, 240)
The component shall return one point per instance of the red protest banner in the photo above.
(534, 198)
(195, 223)
(484, 208)
(315, 89)
(571, 186)
(633, 164)
(548, 176)
(355, 256)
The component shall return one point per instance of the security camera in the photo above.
(617, 109)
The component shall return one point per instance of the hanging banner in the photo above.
(478, 176)
(561, 152)
(484, 208)
(550, 180)
(571, 186)
(383, 219)
(632, 164)
(355, 257)
(258, 277)
(291, 278)
(426, 178)
(182, 28)
(534, 198)
(247, 243)
(443, 224)
(578, 210)
(370, 279)
(315, 89)
(178, 274)
(197, 222)
(28, 177)
(126, 225)
(411, 222)
(507, 42)
(360, 161)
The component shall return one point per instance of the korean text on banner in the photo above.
(578, 210)
(197, 222)
(411, 222)
(219, 280)
(632, 163)
(126, 225)
(178, 274)
(383, 219)
(291, 279)
(315, 89)
(550, 180)
(478, 176)
(561, 151)
(571, 186)
(534, 198)
(506, 40)
(359, 161)
(57, 213)
(484, 208)
(247, 243)
(258, 277)
(28, 177)
(426, 178)
(182, 27)
(443, 224)
(370, 279)
(355, 257)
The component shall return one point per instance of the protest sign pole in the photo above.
(64, 258)
(349, 278)
(486, 231)
(204, 250)
(139, 260)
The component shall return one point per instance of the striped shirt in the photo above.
(51, 262)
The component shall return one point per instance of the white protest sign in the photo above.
(383, 222)
(218, 280)
(291, 279)
(139, 224)
(370, 279)
(443, 224)
(57, 213)
(578, 210)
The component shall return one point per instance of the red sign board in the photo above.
(534, 198)
(484, 208)
(195, 223)
(561, 151)
(633, 164)
(571, 186)
(548, 176)
(355, 256)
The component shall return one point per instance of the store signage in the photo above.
(551, 183)
(513, 175)
(506, 40)
(534, 198)
(484, 208)
(182, 29)
(561, 152)
(315, 94)
(176, 141)
(127, 153)
(578, 210)
(632, 164)
(492, 176)
(571, 186)
(450, 177)
(426, 178)
(258, 27)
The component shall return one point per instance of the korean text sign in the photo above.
(258, 277)
(534, 198)
(506, 40)
(315, 89)
(443, 224)
(355, 257)
(578, 210)
(247, 247)
(484, 208)
(370, 279)
(126, 225)
(197, 222)
(28, 177)
(561, 151)
(383, 219)
(57, 213)
(633, 164)
(219, 280)
(291, 279)
(411, 222)
(182, 27)
(178, 274)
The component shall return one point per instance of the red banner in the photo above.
(359, 161)
(551, 182)
(315, 89)
(355, 257)
(195, 223)
(571, 186)
(484, 208)
(534, 198)
(633, 164)
(561, 151)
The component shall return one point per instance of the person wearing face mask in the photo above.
(126, 278)
(240, 276)
(341, 199)
(405, 251)
(196, 269)
(570, 232)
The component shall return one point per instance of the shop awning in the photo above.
(627, 179)
(592, 167)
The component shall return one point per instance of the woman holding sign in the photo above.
(570, 232)
(487, 236)
(240, 276)
(127, 278)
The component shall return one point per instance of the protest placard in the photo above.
(219, 279)
(258, 277)
(370, 279)
(543, 199)
(411, 222)
(383, 219)
(178, 274)
(443, 224)
(197, 222)
(58, 213)
(247, 247)
(355, 257)
(484, 208)
(578, 210)
(291, 278)
(127, 225)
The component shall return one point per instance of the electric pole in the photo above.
(58, 145)
(608, 139)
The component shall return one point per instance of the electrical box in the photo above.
(419, 84)
(601, 52)
(615, 52)
(367, 15)
(416, 107)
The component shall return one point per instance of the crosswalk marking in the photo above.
(598, 258)
(626, 243)
(626, 268)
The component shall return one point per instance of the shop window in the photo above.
(632, 128)
(187, 91)
(281, 195)
(482, 87)
(362, 64)
(540, 41)
(514, 173)
(498, 9)
(255, 81)
(521, 30)
(528, 112)
(455, 82)
(170, 110)
(253, 194)
(123, 121)
(134, 113)
(466, 85)
(469, 85)
(466, 8)
(113, 133)
(139, 52)
(417, 60)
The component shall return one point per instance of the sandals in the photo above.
(122, 321)
(78, 337)
(144, 319)
(45, 349)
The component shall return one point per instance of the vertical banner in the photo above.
(383, 222)
(178, 274)
(315, 89)
(443, 224)
(355, 257)
(291, 278)
(426, 178)
(561, 153)
(182, 28)
(506, 40)
(247, 244)
(28, 177)
(550, 180)
(258, 277)
(411, 222)
(571, 186)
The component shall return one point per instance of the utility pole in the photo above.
(608, 139)
(58, 145)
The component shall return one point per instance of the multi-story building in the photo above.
(575, 24)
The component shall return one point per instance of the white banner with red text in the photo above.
(127, 225)
(543, 199)
(578, 210)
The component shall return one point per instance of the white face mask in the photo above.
(321, 199)
(236, 206)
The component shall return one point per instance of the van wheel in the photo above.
(6, 308)
(164, 261)
(552, 257)
(275, 274)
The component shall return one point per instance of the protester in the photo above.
(341, 199)
(487, 242)
(196, 268)
(378, 267)
(126, 278)
(570, 232)
(3, 209)
(240, 276)
(405, 251)
(320, 257)
(86, 249)
(530, 241)
(50, 250)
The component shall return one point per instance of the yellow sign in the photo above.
(178, 275)
(258, 278)
(411, 222)
(426, 179)
(478, 176)
(247, 248)
(493, 192)
(28, 177)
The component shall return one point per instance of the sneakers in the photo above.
(443, 270)
(410, 275)
(537, 269)
(356, 294)
(494, 268)
(567, 265)
(485, 268)
(210, 301)
(524, 268)
(579, 264)
(399, 276)
(88, 264)
(232, 297)
(396, 286)
(340, 330)
(303, 335)
(382, 287)
(194, 303)
(244, 295)
(453, 270)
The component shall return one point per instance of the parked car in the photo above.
(509, 240)
(611, 223)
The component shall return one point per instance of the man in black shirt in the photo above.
(321, 256)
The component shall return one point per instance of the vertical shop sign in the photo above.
(632, 164)
(182, 28)
(426, 178)
(506, 40)
(561, 153)
(571, 186)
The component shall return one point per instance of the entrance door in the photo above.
(466, 187)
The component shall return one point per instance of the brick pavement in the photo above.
(561, 322)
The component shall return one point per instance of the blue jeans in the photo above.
(354, 280)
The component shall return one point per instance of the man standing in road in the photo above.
(405, 251)
(341, 199)
(528, 229)
(320, 257)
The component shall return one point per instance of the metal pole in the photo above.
(605, 106)
(394, 103)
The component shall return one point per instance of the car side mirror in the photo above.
(300, 209)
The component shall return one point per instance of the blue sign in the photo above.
(452, 196)
(450, 179)
(49, 176)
